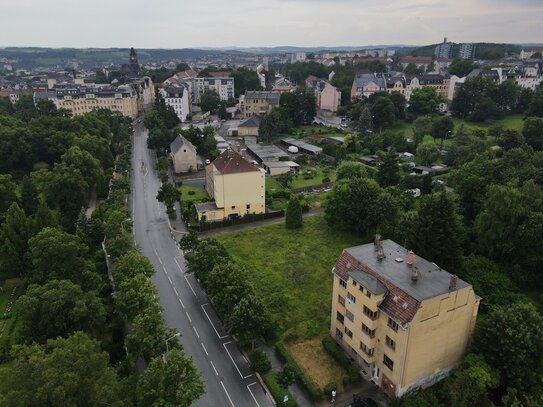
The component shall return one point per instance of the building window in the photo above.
(349, 332)
(340, 317)
(351, 298)
(354, 283)
(390, 343)
(350, 316)
(248, 206)
(339, 334)
(388, 362)
(368, 351)
(233, 207)
(361, 288)
(371, 314)
(368, 331)
(393, 324)
(341, 300)
(368, 294)
(343, 283)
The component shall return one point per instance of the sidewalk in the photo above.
(245, 226)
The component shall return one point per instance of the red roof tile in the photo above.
(230, 162)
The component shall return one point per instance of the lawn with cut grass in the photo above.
(291, 271)
(300, 182)
(198, 195)
(272, 185)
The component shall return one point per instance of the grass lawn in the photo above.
(291, 271)
(5, 369)
(316, 363)
(272, 185)
(199, 193)
(299, 181)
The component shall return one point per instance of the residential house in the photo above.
(283, 85)
(249, 127)
(366, 85)
(327, 96)
(184, 156)
(420, 62)
(280, 167)
(236, 186)
(258, 103)
(403, 319)
(529, 52)
(177, 96)
(441, 84)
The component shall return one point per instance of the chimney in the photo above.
(414, 274)
(244, 153)
(410, 258)
(452, 284)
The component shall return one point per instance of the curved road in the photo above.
(226, 373)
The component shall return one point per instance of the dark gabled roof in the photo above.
(180, 142)
(253, 121)
(230, 162)
(373, 285)
(271, 97)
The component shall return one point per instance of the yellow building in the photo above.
(403, 319)
(258, 103)
(81, 100)
(237, 187)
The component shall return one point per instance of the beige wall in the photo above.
(185, 160)
(425, 350)
(127, 106)
(329, 98)
(247, 131)
(253, 107)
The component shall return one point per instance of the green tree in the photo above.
(423, 101)
(168, 195)
(209, 101)
(66, 372)
(133, 264)
(300, 106)
(293, 218)
(399, 104)
(511, 340)
(437, 231)
(7, 193)
(362, 118)
(58, 308)
(14, 234)
(287, 376)
(427, 154)
(249, 320)
(202, 260)
(134, 295)
(532, 131)
(226, 285)
(58, 255)
(383, 112)
(421, 127)
(170, 381)
(351, 169)
(462, 67)
(442, 128)
(29, 196)
(412, 69)
(535, 107)
(388, 173)
(511, 138)
(189, 241)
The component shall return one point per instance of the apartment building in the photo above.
(83, 99)
(327, 96)
(444, 50)
(404, 320)
(236, 186)
(223, 85)
(366, 85)
(443, 84)
(177, 96)
(258, 103)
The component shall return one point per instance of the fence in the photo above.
(202, 227)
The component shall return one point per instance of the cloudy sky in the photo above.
(219, 23)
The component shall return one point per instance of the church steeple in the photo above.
(133, 57)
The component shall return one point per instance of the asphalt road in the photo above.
(227, 376)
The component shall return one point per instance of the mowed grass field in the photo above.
(291, 271)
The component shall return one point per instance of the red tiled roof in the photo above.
(362, 60)
(395, 308)
(189, 73)
(420, 60)
(230, 162)
(220, 74)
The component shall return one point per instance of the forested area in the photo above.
(77, 335)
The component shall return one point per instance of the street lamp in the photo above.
(178, 334)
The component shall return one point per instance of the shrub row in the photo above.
(353, 372)
(315, 393)
(277, 391)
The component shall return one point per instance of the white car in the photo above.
(207, 161)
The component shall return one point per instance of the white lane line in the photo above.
(213, 366)
(175, 291)
(156, 253)
(196, 332)
(209, 319)
(170, 280)
(231, 358)
(227, 395)
(188, 316)
(165, 271)
(176, 262)
(160, 261)
(192, 289)
(249, 388)
(205, 350)
(181, 302)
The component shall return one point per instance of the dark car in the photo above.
(363, 402)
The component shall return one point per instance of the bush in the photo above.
(259, 361)
(329, 388)
(353, 372)
(325, 180)
(191, 192)
(277, 392)
(315, 393)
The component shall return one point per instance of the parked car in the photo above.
(207, 161)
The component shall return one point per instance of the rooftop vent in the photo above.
(454, 280)
(414, 274)
(410, 258)
(404, 305)
(348, 265)
(398, 260)
(395, 298)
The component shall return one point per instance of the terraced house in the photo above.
(403, 319)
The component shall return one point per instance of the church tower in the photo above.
(133, 57)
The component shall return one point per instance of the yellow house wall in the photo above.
(247, 131)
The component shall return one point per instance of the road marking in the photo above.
(254, 398)
(181, 302)
(156, 253)
(175, 291)
(165, 271)
(205, 350)
(160, 261)
(209, 319)
(227, 395)
(188, 316)
(192, 289)
(232, 359)
(176, 262)
(170, 280)
(196, 332)
(213, 366)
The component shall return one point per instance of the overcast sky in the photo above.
(219, 23)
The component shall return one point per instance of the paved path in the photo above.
(245, 226)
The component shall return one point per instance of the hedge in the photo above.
(315, 393)
(277, 391)
(353, 372)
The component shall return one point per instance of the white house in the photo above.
(177, 96)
